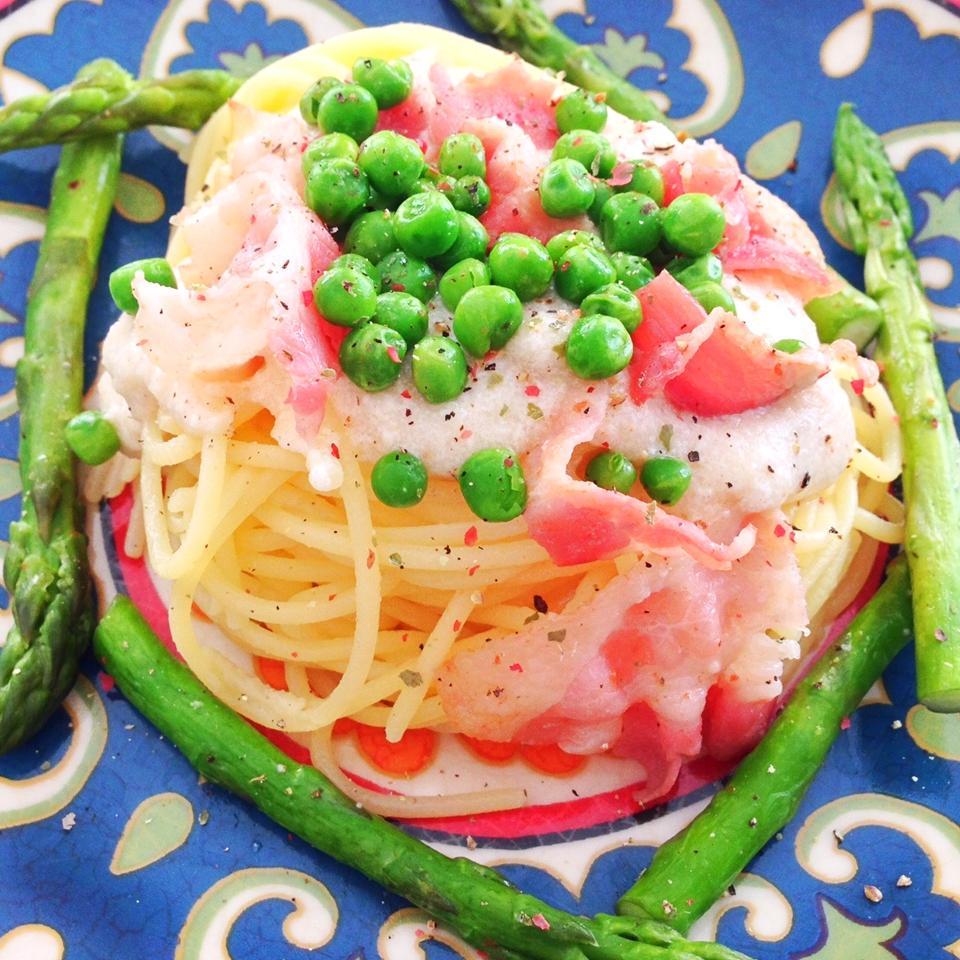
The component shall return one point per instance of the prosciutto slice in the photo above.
(631, 670)
(709, 365)
(578, 522)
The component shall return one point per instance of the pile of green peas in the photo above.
(411, 231)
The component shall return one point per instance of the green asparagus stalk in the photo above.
(693, 869)
(523, 27)
(106, 99)
(848, 314)
(45, 569)
(471, 899)
(878, 216)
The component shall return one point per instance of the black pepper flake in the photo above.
(694, 456)
(805, 482)
(940, 635)
(539, 604)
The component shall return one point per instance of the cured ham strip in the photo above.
(673, 329)
(736, 370)
(768, 253)
(255, 250)
(709, 365)
(633, 670)
(709, 168)
(579, 522)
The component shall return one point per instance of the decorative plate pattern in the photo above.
(109, 844)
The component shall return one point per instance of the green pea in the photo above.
(471, 195)
(372, 236)
(405, 274)
(693, 224)
(310, 101)
(581, 110)
(336, 191)
(486, 318)
(345, 297)
(371, 356)
(589, 148)
(598, 347)
(399, 479)
(602, 192)
(329, 146)
(560, 243)
(646, 178)
(471, 243)
(521, 263)
(493, 484)
(404, 313)
(630, 222)
(612, 471)
(436, 182)
(390, 81)
(426, 224)
(614, 300)
(348, 108)
(789, 345)
(581, 270)
(92, 437)
(439, 369)
(566, 189)
(665, 479)
(632, 271)
(692, 271)
(155, 269)
(379, 202)
(353, 261)
(713, 295)
(392, 162)
(462, 155)
(460, 278)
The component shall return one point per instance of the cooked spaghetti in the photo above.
(300, 599)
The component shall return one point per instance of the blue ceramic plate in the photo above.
(108, 844)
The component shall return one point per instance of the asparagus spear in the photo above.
(523, 27)
(471, 899)
(104, 98)
(693, 869)
(849, 313)
(45, 569)
(878, 216)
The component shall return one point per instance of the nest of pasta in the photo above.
(597, 639)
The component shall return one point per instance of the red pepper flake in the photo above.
(107, 682)
(470, 537)
(456, 626)
(857, 386)
(780, 530)
(508, 463)
(371, 559)
(335, 450)
(465, 434)
(532, 391)
(540, 922)
(406, 394)
(473, 569)
(393, 355)
(304, 145)
(516, 668)
(74, 184)
(845, 723)
(307, 297)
